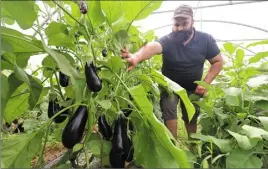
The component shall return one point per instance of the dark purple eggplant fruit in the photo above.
(116, 159)
(61, 117)
(104, 52)
(64, 79)
(93, 82)
(83, 7)
(53, 108)
(128, 152)
(117, 140)
(104, 127)
(73, 132)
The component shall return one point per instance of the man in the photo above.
(184, 52)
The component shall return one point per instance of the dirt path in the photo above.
(51, 153)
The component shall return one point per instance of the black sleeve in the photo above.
(164, 43)
(212, 48)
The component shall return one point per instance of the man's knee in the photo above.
(168, 105)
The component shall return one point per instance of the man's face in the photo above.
(181, 23)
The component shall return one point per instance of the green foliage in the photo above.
(233, 122)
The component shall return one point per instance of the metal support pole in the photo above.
(211, 6)
(229, 22)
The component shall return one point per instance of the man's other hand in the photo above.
(130, 58)
(200, 90)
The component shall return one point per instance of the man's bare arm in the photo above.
(216, 67)
(147, 51)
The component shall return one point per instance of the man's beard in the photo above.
(182, 36)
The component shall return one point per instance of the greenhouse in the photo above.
(134, 84)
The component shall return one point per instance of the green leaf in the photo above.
(74, 11)
(65, 67)
(95, 144)
(263, 42)
(116, 64)
(48, 61)
(55, 28)
(158, 130)
(264, 122)
(264, 67)
(229, 47)
(225, 145)
(232, 96)
(60, 39)
(137, 10)
(36, 89)
(240, 54)
(16, 106)
(113, 10)
(14, 41)
(4, 92)
(254, 132)
(94, 13)
(21, 11)
(262, 104)
(106, 104)
(258, 57)
(243, 141)
(77, 147)
(18, 150)
(239, 158)
(22, 59)
(167, 83)
(150, 153)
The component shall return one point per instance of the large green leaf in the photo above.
(36, 89)
(158, 131)
(240, 54)
(149, 151)
(264, 67)
(264, 122)
(6, 18)
(57, 34)
(4, 91)
(225, 145)
(229, 47)
(243, 141)
(258, 57)
(16, 106)
(65, 67)
(18, 150)
(167, 83)
(239, 158)
(112, 9)
(74, 11)
(14, 41)
(262, 104)
(137, 10)
(55, 28)
(263, 42)
(23, 12)
(254, 132)
(94, 13)
(233, 96)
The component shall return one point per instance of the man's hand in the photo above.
(200, 90)
(130, 58)
(145, 52)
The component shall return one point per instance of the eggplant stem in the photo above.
(43, 150)
(59, 86)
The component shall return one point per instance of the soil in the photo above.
(51, 153)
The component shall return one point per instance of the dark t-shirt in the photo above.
(184, 64)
